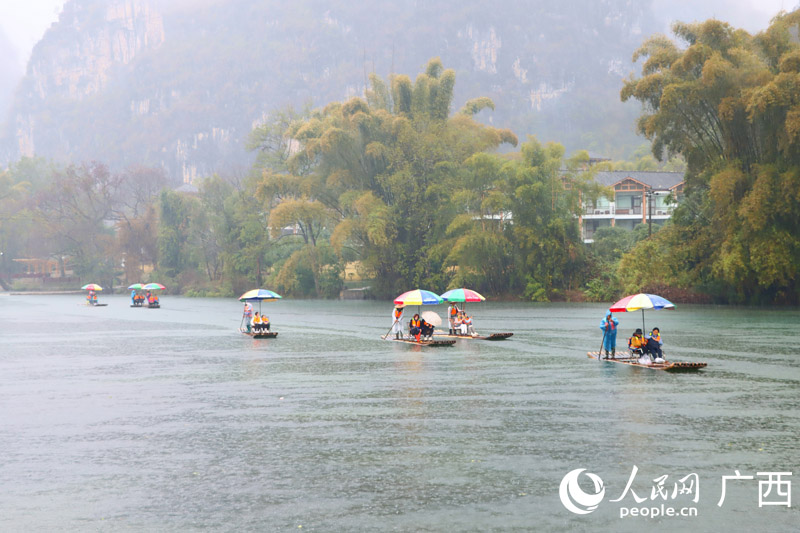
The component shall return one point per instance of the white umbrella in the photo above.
(432, 318)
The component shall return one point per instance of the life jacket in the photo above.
(468, 321)
(636, 342)
(656, 338)
(256, 319)
(398, 313)
(264, 319)
(453, 311)
(415, 323)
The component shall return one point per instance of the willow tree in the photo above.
(729, 103)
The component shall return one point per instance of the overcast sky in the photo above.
(24, 21)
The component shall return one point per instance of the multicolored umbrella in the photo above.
(92, 287)
(153, 287)
(418, 297)
(259, 295)
(463, 295)
(136, 286)
(641, 301)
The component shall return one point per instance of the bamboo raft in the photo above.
(426, 343)
(262, 335)
(668, 366)
(490, 337)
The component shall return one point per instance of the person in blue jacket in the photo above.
(609, 327)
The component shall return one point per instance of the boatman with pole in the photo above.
(609, 327)
(397, 324)
(247, 316)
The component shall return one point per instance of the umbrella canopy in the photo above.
(641, 301)
(153, 287)
(418, 297)
(259, 295)
(462, 295)
(136, 286)
(432, 318)
(92, 287)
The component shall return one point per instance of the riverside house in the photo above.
(639, 198)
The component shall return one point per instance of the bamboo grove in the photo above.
(729, 103)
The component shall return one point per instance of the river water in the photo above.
(121, 419)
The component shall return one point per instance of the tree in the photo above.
(728, 104)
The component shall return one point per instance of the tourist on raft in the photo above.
(653, 344)
(427, 329)
(466, 326)
(133, 296)
(637, 343)
(415, 326)
(456, 322)
(397, 322)
(609, 327)
(256, 323)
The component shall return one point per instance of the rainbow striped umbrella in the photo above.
(92, 287)
(259, 295)
(641, 301)
(136, 286)
(154, 287)
(462, 295)
(418, 297)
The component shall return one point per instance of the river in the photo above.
(122, 419)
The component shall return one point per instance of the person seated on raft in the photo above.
(637, 343)
(457, 322)
(264, 323)
(415, 326)
(426, 330)
(91, 298)
(653, 344)
(466, 326)
(257, 323)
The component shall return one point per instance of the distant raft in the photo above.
(668, 366)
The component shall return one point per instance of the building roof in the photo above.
(187, 188)
(654, 180)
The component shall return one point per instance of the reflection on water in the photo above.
(134, 419)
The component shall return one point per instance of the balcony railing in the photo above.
(607, 210)
(613, 210)
(629, 210)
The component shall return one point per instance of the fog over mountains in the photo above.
(180, 84)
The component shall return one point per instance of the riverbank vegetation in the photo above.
(407, 192)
